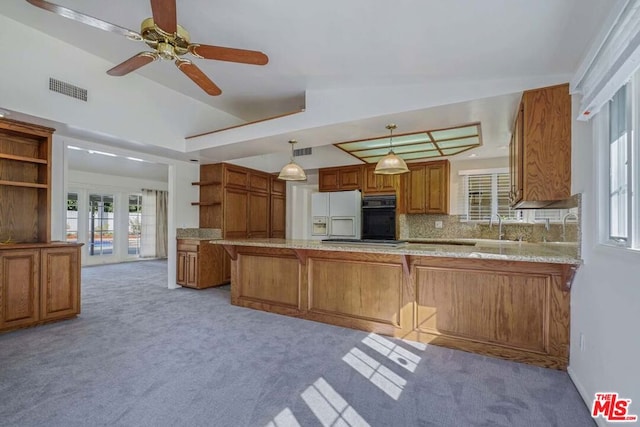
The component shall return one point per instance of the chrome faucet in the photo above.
(500, 235)
(564, 224)
(547, 226)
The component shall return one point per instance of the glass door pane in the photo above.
(72, 218)
(101, 224)
(135, 223)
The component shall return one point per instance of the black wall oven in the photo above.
(379, 217)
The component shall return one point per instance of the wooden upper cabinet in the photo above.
(278, 216)
(541, 149)
(381, 184)
(341, 178)
(258, 215)
(278, 208)
(427, 188)
(238, 201)
(235, 210)
(235, 176)
(415, 188)
(278, 186)
(515, 158)
(259, 182)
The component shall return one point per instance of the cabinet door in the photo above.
(415, 189)
(18, 288)
(60, 283)
(192, 269)
(371, 183)
(235, 213)
(235, 176)
(278, 216)
(258, 214)
(350, 178)
(437, 188)
(226, 266)
(259, 182)
(381, 184)
(515, 158)
(278, 186)
(328, 179)
(181, 268)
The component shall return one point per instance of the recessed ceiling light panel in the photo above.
(427, 144)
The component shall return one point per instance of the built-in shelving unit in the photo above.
(25, 175)
(39, 279)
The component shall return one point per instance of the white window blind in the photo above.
(485, 195)
(612, 61)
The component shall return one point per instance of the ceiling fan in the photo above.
(169, 40)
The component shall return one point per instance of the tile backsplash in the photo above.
(418, 226)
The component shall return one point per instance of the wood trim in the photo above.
(568, 274)
(405, 264)
(279, 116)
(302, 255)
(232, 251)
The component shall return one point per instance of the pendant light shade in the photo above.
(391, 164)
(292, 171)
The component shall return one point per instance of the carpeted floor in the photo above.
(143, 355)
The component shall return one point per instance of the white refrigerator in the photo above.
(336, 215)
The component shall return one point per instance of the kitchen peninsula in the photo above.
(504, 299)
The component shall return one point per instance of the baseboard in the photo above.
(588, 399)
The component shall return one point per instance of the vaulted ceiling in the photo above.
(347, 68)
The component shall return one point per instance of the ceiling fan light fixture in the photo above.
(391, 164)
(292, 171)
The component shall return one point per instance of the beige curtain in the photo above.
(154, 224)
(161, 224)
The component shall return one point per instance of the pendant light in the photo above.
(292, 171)
(391, 164)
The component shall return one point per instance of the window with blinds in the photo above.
(487, 194)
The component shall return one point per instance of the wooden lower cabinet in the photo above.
(514, 310)
(19, 300)
(59, 283)
(258, 215)
(38, 284)
(510, 313)
(201, 264)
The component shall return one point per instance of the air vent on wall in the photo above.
(302, 152)
(67, 89)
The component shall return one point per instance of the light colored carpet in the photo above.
(143, 355)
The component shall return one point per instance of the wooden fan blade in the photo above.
(132, 64)
(85, 19)
(228, 54)
(198, 77)
(164, 15)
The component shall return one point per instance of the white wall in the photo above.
(605, 297)
(180, 212)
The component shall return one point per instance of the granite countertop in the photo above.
(198, 233)
(482, 249)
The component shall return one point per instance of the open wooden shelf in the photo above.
(206, 183)
(23, 158)
(23, 184)
(205, 203)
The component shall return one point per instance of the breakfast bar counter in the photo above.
(503, 299)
